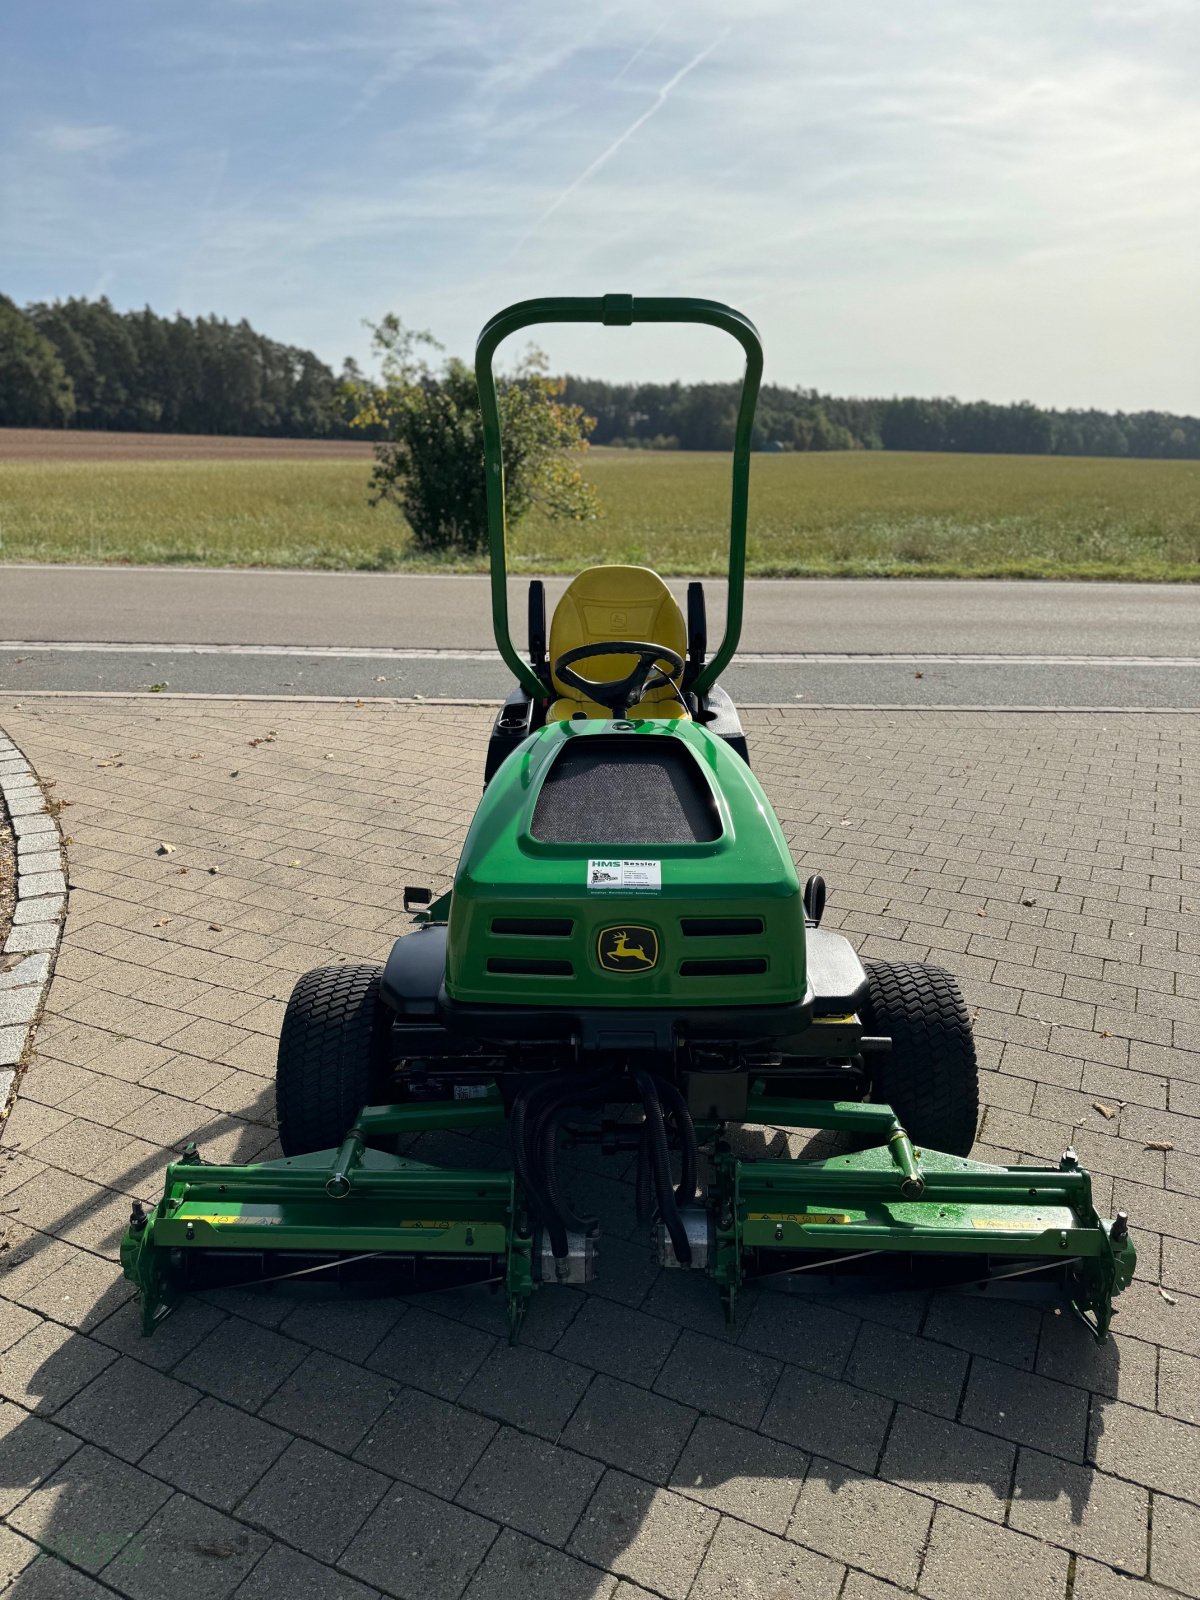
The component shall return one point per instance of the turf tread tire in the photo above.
(930, 1076)
(330, 1050)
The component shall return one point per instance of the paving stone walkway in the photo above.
(264, 1446)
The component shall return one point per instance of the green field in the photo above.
(852, 514)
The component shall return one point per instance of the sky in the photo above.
(996, 199)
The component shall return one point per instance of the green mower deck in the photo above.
(335, 1211)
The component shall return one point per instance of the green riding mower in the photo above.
(626, 958)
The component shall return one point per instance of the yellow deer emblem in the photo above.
(627, 949)
(635, 951)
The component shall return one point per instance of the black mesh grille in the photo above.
(534, 927)
(625, 790)
(723, 967)
(720, 927)
(528, 967)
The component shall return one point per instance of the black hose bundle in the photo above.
(685, 1130)
(660, 1166)
(538, 1113)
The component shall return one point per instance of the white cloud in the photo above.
(81, 138)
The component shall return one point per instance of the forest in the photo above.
(700, 416)
(80, 363)
(83, 364)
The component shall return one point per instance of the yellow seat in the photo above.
(607, 603)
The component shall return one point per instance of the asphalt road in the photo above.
(834, 642)
(404, 611)
(907, 681)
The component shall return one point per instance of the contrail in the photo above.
(638, 54)
(664, 94)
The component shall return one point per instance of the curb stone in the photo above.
(41, 901)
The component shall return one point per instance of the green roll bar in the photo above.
(616, 310)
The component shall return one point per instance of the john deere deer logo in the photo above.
(627, 949)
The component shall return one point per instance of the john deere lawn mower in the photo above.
(625, 958)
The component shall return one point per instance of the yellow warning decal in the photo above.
(1005, 1224)
(834, 1022)
(800, 1217)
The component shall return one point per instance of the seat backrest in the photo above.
(606, 603)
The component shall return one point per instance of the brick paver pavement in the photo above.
(952, 1447)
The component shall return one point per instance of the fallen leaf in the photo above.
(212, 871)
(162, 922)
(214, 1549)
(235, 772)
(214, 927)
(1106, 1112)
(183, 872)
(293, 863)
(157, 688)
(1159, 1144)
(1106, 1034)
(981, 912)
(1169, 1298)
(1029, 902)
(918, 674)
(360, 703)
(165, 850)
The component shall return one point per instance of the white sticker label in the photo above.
(631, 876)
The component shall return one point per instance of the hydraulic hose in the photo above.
(685, 1194)
(601, 1091)
(536, 1120)
(661, 1162)
(549, 1126)
(538, 1199)
(534, 1128)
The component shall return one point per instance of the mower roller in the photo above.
(626, 959)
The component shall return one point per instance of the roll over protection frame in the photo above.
(616, 311)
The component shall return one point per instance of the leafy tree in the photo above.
(35, 391)
(430, 461)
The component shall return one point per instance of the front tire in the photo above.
(332, 1055)
(930, 1076)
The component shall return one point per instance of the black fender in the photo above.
(414, 972)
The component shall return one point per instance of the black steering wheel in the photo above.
(618, 694)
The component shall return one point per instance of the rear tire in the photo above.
(332, 1055)
(929, 1077)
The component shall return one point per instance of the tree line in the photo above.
(700, 416)
(80, 363)
(83, 364)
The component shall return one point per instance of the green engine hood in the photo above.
(569, 898)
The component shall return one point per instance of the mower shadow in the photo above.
(786, 1421)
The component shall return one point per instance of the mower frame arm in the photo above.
(616, 310)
